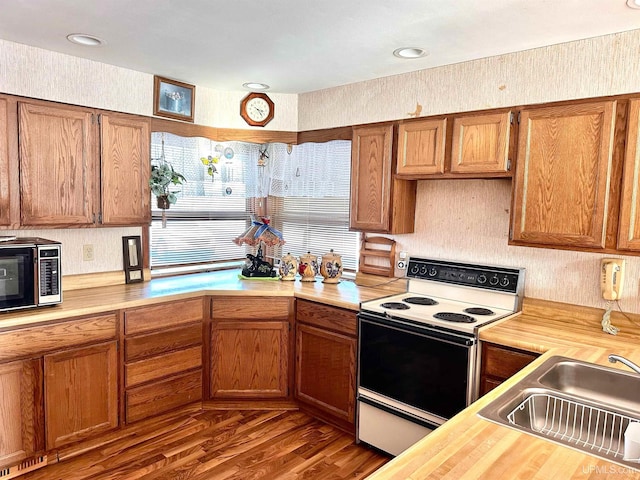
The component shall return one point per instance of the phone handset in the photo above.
(612, 278)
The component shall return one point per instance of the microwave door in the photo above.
(17, 286)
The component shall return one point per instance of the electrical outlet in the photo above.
(402, 261)
(87, 253)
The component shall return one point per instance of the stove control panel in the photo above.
(503, 279)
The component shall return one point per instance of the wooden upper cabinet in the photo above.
(629, 226)
(561, 190)
(379, 201)
(421, 147)
(58, 165)
(9, 178)
(125, 170)
(480, 143)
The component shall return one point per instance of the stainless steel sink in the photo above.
(577, 404)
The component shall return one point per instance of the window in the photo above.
(307, 187)
(210, 210)
(309, 202)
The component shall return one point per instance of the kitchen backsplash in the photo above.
(468, 220)
(106, 242)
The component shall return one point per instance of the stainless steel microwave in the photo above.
(30, 273)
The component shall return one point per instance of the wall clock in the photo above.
(257, 109)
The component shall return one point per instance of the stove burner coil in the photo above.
(454, 317)
(478, 311)
(420, 301)
(395, 306)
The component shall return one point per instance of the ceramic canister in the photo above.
(331, 267)
(288, 267)
(308, 267)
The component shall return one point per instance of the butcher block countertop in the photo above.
(469, 447)
(89, 301)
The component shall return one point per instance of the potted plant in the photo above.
(163, 176)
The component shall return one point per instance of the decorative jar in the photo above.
(288, 267)
(331, 267)
(308, 267)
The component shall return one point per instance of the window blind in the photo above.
(210, 210)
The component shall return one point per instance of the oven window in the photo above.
(426, 373)
(16, 278)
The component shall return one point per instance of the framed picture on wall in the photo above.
(132, 257)
(173, 99)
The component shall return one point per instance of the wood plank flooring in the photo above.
(229, 445)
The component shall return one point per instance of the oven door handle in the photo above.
(398, 413)
(464, 340)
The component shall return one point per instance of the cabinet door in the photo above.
(326, 371)
(629, 227)
(379, 202)
(9, 208)
(125, 170)
(58, 165)
(481, 143)
(421, 146)
(21, 415)
(563, 174)
(81, 393)
(249, 359)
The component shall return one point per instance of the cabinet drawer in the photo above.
(162, 316)
(37, 340)
(251, 308)
(151, 344)
(324, 316)
(149, 400)
(162, 366)
(503, 362)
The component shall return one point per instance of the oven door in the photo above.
(429, 370)
(17, 283)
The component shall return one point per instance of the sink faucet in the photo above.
(617, 358)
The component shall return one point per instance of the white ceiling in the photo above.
(298, 45)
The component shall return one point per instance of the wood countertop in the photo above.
(469, 447)
(345, 294)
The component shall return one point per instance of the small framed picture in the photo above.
(132, 256)
(173, 99)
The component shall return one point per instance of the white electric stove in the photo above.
(418, 352)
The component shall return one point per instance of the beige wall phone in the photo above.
(612, 278)
(611, 282)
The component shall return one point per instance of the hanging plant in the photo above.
(163, 176)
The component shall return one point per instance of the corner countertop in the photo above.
(469, 447)
(345, 294)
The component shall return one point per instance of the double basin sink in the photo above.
(577, 404)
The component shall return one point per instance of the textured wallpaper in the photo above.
(34, 72)
(594, 67)
(468, 220)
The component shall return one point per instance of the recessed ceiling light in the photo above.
(255, 86)
(410, 52)
(84, 39)
(633, 3)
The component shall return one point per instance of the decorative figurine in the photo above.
(331, 267)
(256, 266)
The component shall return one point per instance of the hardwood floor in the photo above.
(216, 445)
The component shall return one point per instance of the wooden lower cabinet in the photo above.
(250, 347)
(499, 363)
(80, 393)
(21, 412)
(325, 375)
(249, 359)
(163, 367)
